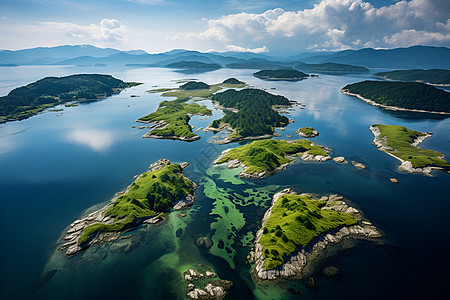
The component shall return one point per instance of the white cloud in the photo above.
(98, 140)
(235, 48)
(109, 31)
(333, 25)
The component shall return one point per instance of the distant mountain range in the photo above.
(404, 58)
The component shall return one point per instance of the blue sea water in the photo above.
(56, 165)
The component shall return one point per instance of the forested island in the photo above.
(412, 96)
(331, 68)
(438, 77)
(262, 158)
(193, 65)
(145, 201)
(297, 227)
(249, 113)
(401, 143)
(281, 74)
(195, 85)
(26, 101)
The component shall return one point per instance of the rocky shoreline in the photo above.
(70, 241)
(405, 166)
(296, 261)
(346, 92)
(232, 164)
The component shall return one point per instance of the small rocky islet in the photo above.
(202, 283)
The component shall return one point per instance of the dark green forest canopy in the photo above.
(433, 76)
(232, 81)
(195, 85)
(256, 116)
(409, 95)
(32, 98)
(331, 68)
(193, 65)
(280, 74)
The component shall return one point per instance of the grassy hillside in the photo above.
(266, 155)
(296, 220)
(400, 139)
(152, 193)
(175, 114)
(409, 95)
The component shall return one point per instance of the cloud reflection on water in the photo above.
(97, 140)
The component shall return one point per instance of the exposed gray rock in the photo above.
(340, 159)
(296, 261)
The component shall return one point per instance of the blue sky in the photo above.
(278, 27)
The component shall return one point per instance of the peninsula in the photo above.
(297, 227)
(144, 201)
(408, 96)
(26, 101)
(438, 77)
(281, 74)
(262, 158)
(402, 143)
(171, 119)
(249, 114)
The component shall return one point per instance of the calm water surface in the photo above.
(56, 165)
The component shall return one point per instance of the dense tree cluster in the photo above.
(434, 76)
(409, 95)
(256, 116)
(53, 90)
(331, 68)
(193, 65)
(280, 74)
(195, 85)
(232, 81)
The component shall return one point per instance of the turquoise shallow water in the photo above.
(56, 165)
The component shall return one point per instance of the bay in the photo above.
(56, 165)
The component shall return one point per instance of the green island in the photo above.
(432, 76)
(264, 157)
(249, 113)
(297, 227)
(331, 68)
(411, 96)
(307, 132)
(26, 101)
(281, 74)
(171, 119)
(145, 200)
(296, 220)
(402, 142)
(193, 65)
(195, 85)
